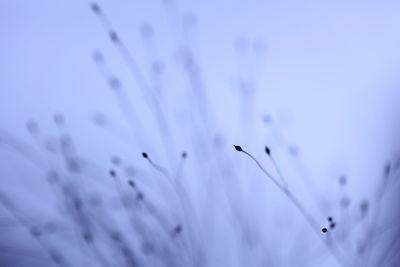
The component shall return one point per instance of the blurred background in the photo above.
(87, 87)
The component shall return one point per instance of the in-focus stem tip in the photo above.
(238, 148)
(267, 151)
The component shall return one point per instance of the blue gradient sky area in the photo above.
(329, 72)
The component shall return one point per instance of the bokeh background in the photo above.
(86, 87)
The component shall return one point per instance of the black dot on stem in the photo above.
(114, 37)
(238, 148)
(95, 7)
(131, 183)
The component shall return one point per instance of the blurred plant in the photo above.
(163, 214)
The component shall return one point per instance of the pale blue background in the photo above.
(327, 72)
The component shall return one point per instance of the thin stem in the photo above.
(309, 218)
(265, 171)
(278, 171)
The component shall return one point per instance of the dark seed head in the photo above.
(157, 67)
(139, 196)
(333, 225)
(99, 119)
(115, 160)
(238, 148)
(88, 237)
(387, 170)
(52, 176)
(324, 230)
(113, 173)
(56, 257)
(330, 219)
(126, 251)
(114, 82)
(115, 236)
(131, 183)
(95, 7)
(114, 37)
(343, 180)
(178, 229)
(98, 57)
(73, 165)
(345, 202)
(78, 203)
(35, 231)
(144, 155)
(293, 150)
(58, 118)
(168, 2)
(184, 155)
(267, 150)
(147, 248)
(364, 207)
(32, 126)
